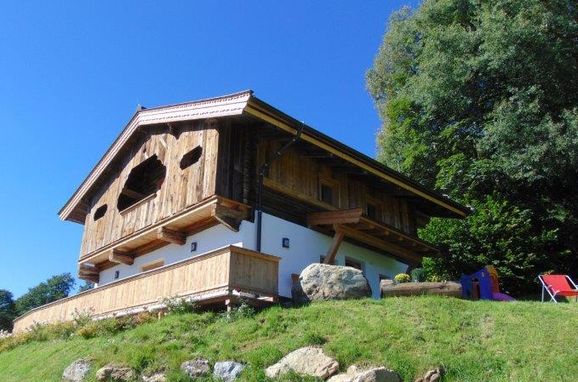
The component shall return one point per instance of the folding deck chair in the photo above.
(558, 285)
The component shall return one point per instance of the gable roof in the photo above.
(237, 104)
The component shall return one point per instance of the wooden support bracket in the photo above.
(120, 257)
(171, 236)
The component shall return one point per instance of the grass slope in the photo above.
(474, 341)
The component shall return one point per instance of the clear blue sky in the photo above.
(72, 74)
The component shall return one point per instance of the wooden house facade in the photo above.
(232, 186)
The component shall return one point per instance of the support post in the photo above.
(332, 252)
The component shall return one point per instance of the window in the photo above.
(191, 157)
(349, 262)
(143, 181)
(321, 259)
(374, 207)
(329, 192)
(150, 266)
(371, 211)
(116, 275)
(100, 211)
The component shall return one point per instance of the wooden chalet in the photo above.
(228, 197)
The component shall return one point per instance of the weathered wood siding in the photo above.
(181, 187)
(203, 277)
(299, 176)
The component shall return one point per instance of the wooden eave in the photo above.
(173, 230)
(352, 224)
(275, 117)
(244, 103)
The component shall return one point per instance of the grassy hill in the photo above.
(473, 341)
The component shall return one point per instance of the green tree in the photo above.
(87, 285)
(478, 99)
(53, 289)
(7, 310)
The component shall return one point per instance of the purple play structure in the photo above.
(483, 285)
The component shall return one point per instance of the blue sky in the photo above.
(71, 75)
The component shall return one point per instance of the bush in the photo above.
(418, 275)
(179, 305)
(402, 278)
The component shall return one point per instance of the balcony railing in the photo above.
(216, 277)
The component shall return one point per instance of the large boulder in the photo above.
(310, 361)
(376, 374)
(227, 371)
(196, 368)
(115, 373)
(446, 288)
(330, 282)
(76, 371)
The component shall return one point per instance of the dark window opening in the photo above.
(191, 157)
(372, 211)
(144, 180)
(326, 194)
(100, 211)
(384, 277)
(353, 263)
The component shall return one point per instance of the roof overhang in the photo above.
(245, 103)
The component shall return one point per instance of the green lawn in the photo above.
(473, 341)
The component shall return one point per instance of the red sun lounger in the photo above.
(558, 285)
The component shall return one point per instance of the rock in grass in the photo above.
(377, 374)
(227, 371)
(115, 373)
(330, 282)
(310, 361)
(158, 376)
(196, 368)
(433, 375)
(76, 371)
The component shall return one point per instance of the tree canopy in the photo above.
(55, 288)
(7, 310)
(478, 100)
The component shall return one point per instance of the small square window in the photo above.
(194, 246)
(116, 274)
(285, 242)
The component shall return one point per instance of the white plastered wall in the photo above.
(305, 247)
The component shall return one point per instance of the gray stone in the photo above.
(158, 376)
(310, 360)
(227, 371)
(115, 373)
(76, 371)
(196, 368)
(376, 374)
(433, 375)
(330, 282)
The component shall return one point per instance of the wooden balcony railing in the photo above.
(213, 277)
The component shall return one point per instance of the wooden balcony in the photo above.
(220, 276)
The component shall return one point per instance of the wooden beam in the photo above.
(332, 252)
(89, 273)
(403, 253)
(229, 218)
(352, 215)
(171, 236)
(119, 257)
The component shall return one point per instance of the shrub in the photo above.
(179, 305)
(402, 278)
(418, 275)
